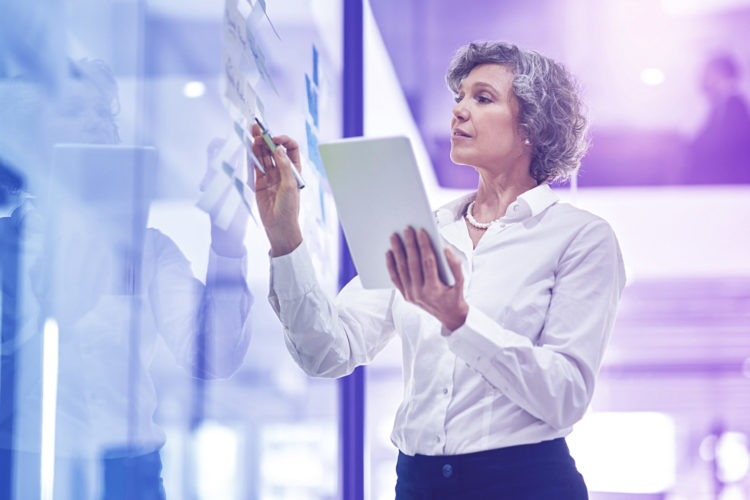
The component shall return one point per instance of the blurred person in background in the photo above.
(107, 444)
(500, 366)
(720, 152)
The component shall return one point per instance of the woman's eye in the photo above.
(457, 98)
(482, 99)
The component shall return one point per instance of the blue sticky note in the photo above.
(322, 204)
(315, 65)
(239, 130)
(312, 100)
(240, 187)
(228, 169)
(312, 150)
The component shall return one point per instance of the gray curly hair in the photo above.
(551, 112)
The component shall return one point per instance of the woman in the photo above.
(500, 366)
(108, 445)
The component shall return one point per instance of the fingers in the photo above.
(264, 154)
(413, 259)
(260, 148)
(428, 259)
(285, 166)
(292, 148)
(412, 264)
(390, 263)
(455, 265)
(399, 257)
(261, 151)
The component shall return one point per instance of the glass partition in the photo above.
(140, 357)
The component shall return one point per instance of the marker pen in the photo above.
(266, 134)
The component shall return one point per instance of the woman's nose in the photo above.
(460, 111)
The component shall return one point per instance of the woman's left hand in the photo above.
(412, 264)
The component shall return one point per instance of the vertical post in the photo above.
(10, 261)
(352, 388)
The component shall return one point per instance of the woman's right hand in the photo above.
(276, 192)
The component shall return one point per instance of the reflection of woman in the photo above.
(720, 152)
(106, 398)
(499, 367)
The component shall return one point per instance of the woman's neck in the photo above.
(495, 193)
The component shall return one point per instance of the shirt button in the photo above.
(447, 470)
(502, 225)
(445, 391)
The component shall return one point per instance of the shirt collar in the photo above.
(529, 204)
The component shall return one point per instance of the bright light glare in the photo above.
(707, 448)
(733, 492)
(625, 452)
(215, 450)
(652, 76)
(308, 449)
(732, 456)
(695, 7)
(194, 89)
(50, 351)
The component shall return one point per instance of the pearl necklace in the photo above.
(476, 223)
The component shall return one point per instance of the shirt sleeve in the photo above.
(553, 378)
(183, 307)
(328, 338)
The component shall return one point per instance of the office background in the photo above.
(669, 416)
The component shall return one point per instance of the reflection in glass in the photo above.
(85, 260)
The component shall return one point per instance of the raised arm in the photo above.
(327, 338)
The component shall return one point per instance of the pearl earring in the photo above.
(527, 142)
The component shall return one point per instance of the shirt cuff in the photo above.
(480, 338)
(226, 270)
(293, 274)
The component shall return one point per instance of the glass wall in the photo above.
(140, 357)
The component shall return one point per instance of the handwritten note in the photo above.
(259, 9)
(238, 91)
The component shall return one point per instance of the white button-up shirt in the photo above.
(94, 403)
(542, 286)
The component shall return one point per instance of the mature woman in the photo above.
(499, 366)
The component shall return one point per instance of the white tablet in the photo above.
(378, 191)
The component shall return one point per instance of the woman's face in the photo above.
(484, 128)
(83, 115)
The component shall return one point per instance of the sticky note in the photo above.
(227, 168)
(312, 100)
(251, 155)
(213, 192)
(259, 57)
(238, 91)
(322, 203)
(312, 150)
(260, 7)
(315, 66)
(228, 149)
(228, 209)
(235, 31)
